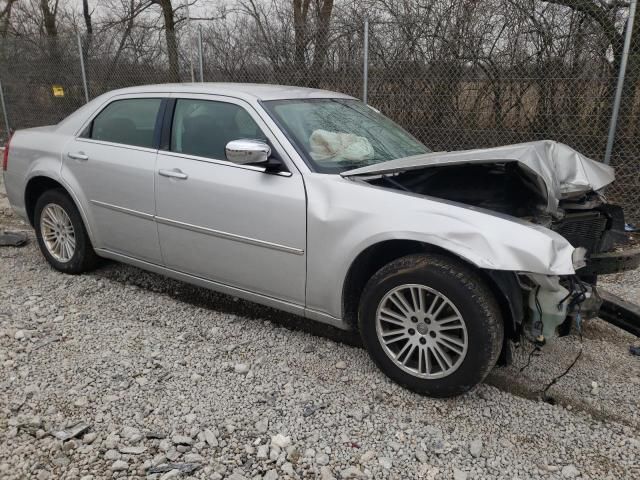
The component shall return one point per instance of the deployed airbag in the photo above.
(331, 147)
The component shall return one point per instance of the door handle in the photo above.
(175, 173)
(78, 156)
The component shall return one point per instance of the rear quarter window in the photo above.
(130, 122)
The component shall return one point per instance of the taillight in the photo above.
(5, 154)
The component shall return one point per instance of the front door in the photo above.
(229, 223)
(111, 166)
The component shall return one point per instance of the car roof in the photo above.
(245, 91)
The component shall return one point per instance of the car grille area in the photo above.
(583, 229)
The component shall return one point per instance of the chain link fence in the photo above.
(29, 68)
(499, 78)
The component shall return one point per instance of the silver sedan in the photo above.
(311, 202)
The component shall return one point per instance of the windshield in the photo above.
(336, 135)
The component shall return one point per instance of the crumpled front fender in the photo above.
(346, 217)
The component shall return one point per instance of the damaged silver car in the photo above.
(314, 203)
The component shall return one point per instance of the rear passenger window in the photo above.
(204, 127)
(130, 121)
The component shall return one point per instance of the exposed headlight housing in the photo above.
(578, 258)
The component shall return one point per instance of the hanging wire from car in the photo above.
(578, 294)
(536, 344)
(547, 398)
(535, 349)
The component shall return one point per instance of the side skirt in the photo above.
(226, 289)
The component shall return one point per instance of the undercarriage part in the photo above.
(620, 313)
(611, 262)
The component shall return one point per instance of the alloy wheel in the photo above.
(421, 331)
(57, 232)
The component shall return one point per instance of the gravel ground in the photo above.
(147, 374)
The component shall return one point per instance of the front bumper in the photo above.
(619, 312)
(611, 262)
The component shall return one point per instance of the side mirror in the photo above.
(246, 151)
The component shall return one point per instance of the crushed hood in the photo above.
(558, 170)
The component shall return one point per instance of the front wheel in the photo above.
(431, 324)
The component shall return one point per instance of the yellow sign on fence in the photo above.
(58, 91)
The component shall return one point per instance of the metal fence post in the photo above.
(365, 61)
(623, 69)
(84, 74)
(190, 37)
(200, 60)
(4, 110)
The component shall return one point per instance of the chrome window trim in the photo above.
(229, 236)
(116, 208)
(258, 114)
(117, 145)
(116, 98)
(226, 163)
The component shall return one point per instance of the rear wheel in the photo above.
(431, 324)
(61, 234)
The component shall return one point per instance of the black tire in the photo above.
(466, 290)
(84, 258)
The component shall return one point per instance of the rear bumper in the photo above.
(15, 200)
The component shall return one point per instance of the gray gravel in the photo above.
(125, 374)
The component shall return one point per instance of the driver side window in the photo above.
(204, 127)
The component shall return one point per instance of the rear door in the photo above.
(234, 224)
(111, 166)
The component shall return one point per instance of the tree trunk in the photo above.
(5, 16)
(300, 12)
(49, 18)
(87, 17)
(170, 35)
(51, 30)
(322, 41)
(86, 44)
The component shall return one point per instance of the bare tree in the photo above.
(49, 12)
(170, 36)
(605, 14)
(324, 9)
(300, 15)
(86, 14)
(5, 18)
(296, 32)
